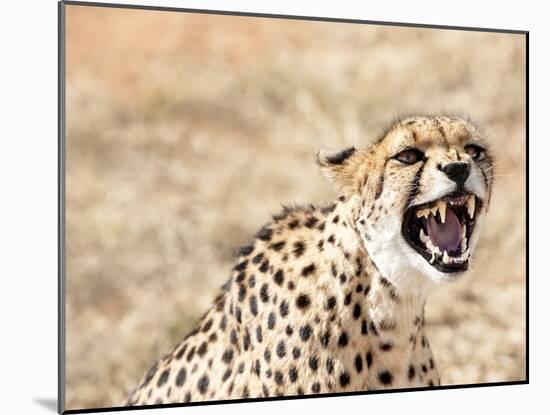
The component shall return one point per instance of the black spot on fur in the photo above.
(277, 246)
(303, 301)
(343, 339)
(245, 250)
(305, 332)
(295, 353)
(293, 224)
(258, 258)
(293, 374)
(347, 299)
(181, 376)
(330, 365)
(325, 339)
(264, 234)
(343, 278)
(191, 354)
(331, 239)
(373, 328)
(279, 277)
(259, 336)
(227, 356)
(316, 387)
(356, 311)
(310, 269)
(242, 293)
(386, 346)
(240, 278)
(283, 308)
(253, 305)
(203, 384)
(267, 355)
(314, 363)
(299, 248)
(358, 363)
(385, 377)
(246, 340)
(181, 352)
(331, 303)
(265, 266)
(320, 244)
(344, 379)
(264, 293)
(328, 208)
(289, 331)
(241, 266)
(278, 377)
(368, 358)
(163, 378)
(411, 372)
(271, 321)
(311, 222)
(201, 351)
(341, 156)
(364, 329)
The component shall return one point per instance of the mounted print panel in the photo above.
(279, 207)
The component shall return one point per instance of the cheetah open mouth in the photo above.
(440, 230)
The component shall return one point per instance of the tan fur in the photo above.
(314, 270)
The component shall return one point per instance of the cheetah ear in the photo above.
(341, 167)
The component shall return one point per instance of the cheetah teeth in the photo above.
(441, 208)
(471, 205)
(436, 252)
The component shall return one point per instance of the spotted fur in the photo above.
(325, 298)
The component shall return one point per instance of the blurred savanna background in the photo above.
(185, 132)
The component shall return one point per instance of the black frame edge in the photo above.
(293, 397)
(291, 17)
(61, 347)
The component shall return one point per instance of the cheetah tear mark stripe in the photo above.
(380, 185)
(416, 184)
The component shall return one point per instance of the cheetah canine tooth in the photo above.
(442, 207)
(471, 206)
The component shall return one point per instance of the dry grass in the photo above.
(185, 132)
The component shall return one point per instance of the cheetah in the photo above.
(331, 298)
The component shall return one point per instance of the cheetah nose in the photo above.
(457, 172)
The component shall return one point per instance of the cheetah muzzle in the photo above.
(330, 298)
(440, 230)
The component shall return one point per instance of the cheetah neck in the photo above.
(394, 317)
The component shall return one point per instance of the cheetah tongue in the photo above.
(446, 236)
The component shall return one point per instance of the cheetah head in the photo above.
(417, 197)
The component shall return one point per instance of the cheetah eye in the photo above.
(477, 153)
(409, 156)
